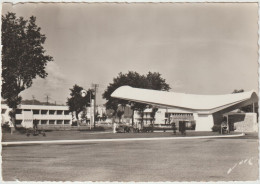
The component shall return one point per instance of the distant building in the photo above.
(44, 115)
(100, 110)
(165, 116)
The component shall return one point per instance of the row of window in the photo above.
(178, 114)
(53, 122)
(45, 112)
(48, 122)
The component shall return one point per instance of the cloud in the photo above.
(177, 84)
(55, 78)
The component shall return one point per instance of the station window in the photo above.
(36, 111)
(27, 110)
(59, 112)
(43, 122)
(51, 122)
(59, 122)
(52, 112)
(66, 122)
(44, 111)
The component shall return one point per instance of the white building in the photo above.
(205, 110)
(165, 116)
(44, 115)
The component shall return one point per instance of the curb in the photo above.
(116, 140)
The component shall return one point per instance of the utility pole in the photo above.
(90, 108)
(33, 99)
(95, 86)
(47, 98)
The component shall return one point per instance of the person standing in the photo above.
(174, 127)
(113, 124)
(11, 125)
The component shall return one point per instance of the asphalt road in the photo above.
(220, 159)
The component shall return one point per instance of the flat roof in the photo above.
(39, 107)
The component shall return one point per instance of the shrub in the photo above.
(74, 123)
(99, 128)
(216, 128)
(5, 127)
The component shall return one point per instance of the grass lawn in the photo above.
(160, 160)
(77, 135)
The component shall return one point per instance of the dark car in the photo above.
(123, 129)
(148, 129)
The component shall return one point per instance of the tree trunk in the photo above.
(133, 118)
(13, 119)
(153, 123)
(77, 117)
(94, 120)
(142, 119)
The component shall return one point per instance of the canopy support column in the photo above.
(227, 124)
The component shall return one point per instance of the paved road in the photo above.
(224, 159)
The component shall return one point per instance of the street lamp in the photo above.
(83, 94)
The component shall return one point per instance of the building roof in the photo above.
(39, 107)
(193, 102)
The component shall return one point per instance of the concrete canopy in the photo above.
(207, 104)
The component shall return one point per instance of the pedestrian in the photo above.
(174, 128)
(139, 127)
(11, 125)
(35, 127)
(114, 124)
(182, 127)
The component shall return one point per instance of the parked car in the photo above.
(148, 129)
(124, 129)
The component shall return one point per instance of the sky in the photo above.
(199, 48)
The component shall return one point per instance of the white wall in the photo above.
(160, 116)
(5, 117)
(204, 122)
(249, 124)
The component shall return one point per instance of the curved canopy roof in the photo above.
(182, 100)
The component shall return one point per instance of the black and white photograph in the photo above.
(129, 92)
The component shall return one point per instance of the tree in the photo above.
(134, 79)
(104, 116)
(23, 57)
(97, 116)
(238, 91)
(76, 102)
(84, 115)
(154, 110)
(120, 112)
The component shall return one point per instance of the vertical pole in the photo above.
(221, 126)
(95, 85)
(227, 125)
(166, 115)
(33, 99)
(95, 89)
(253, 107)
(47, 100)
(90, 109)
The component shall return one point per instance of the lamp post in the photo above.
(83, 94)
